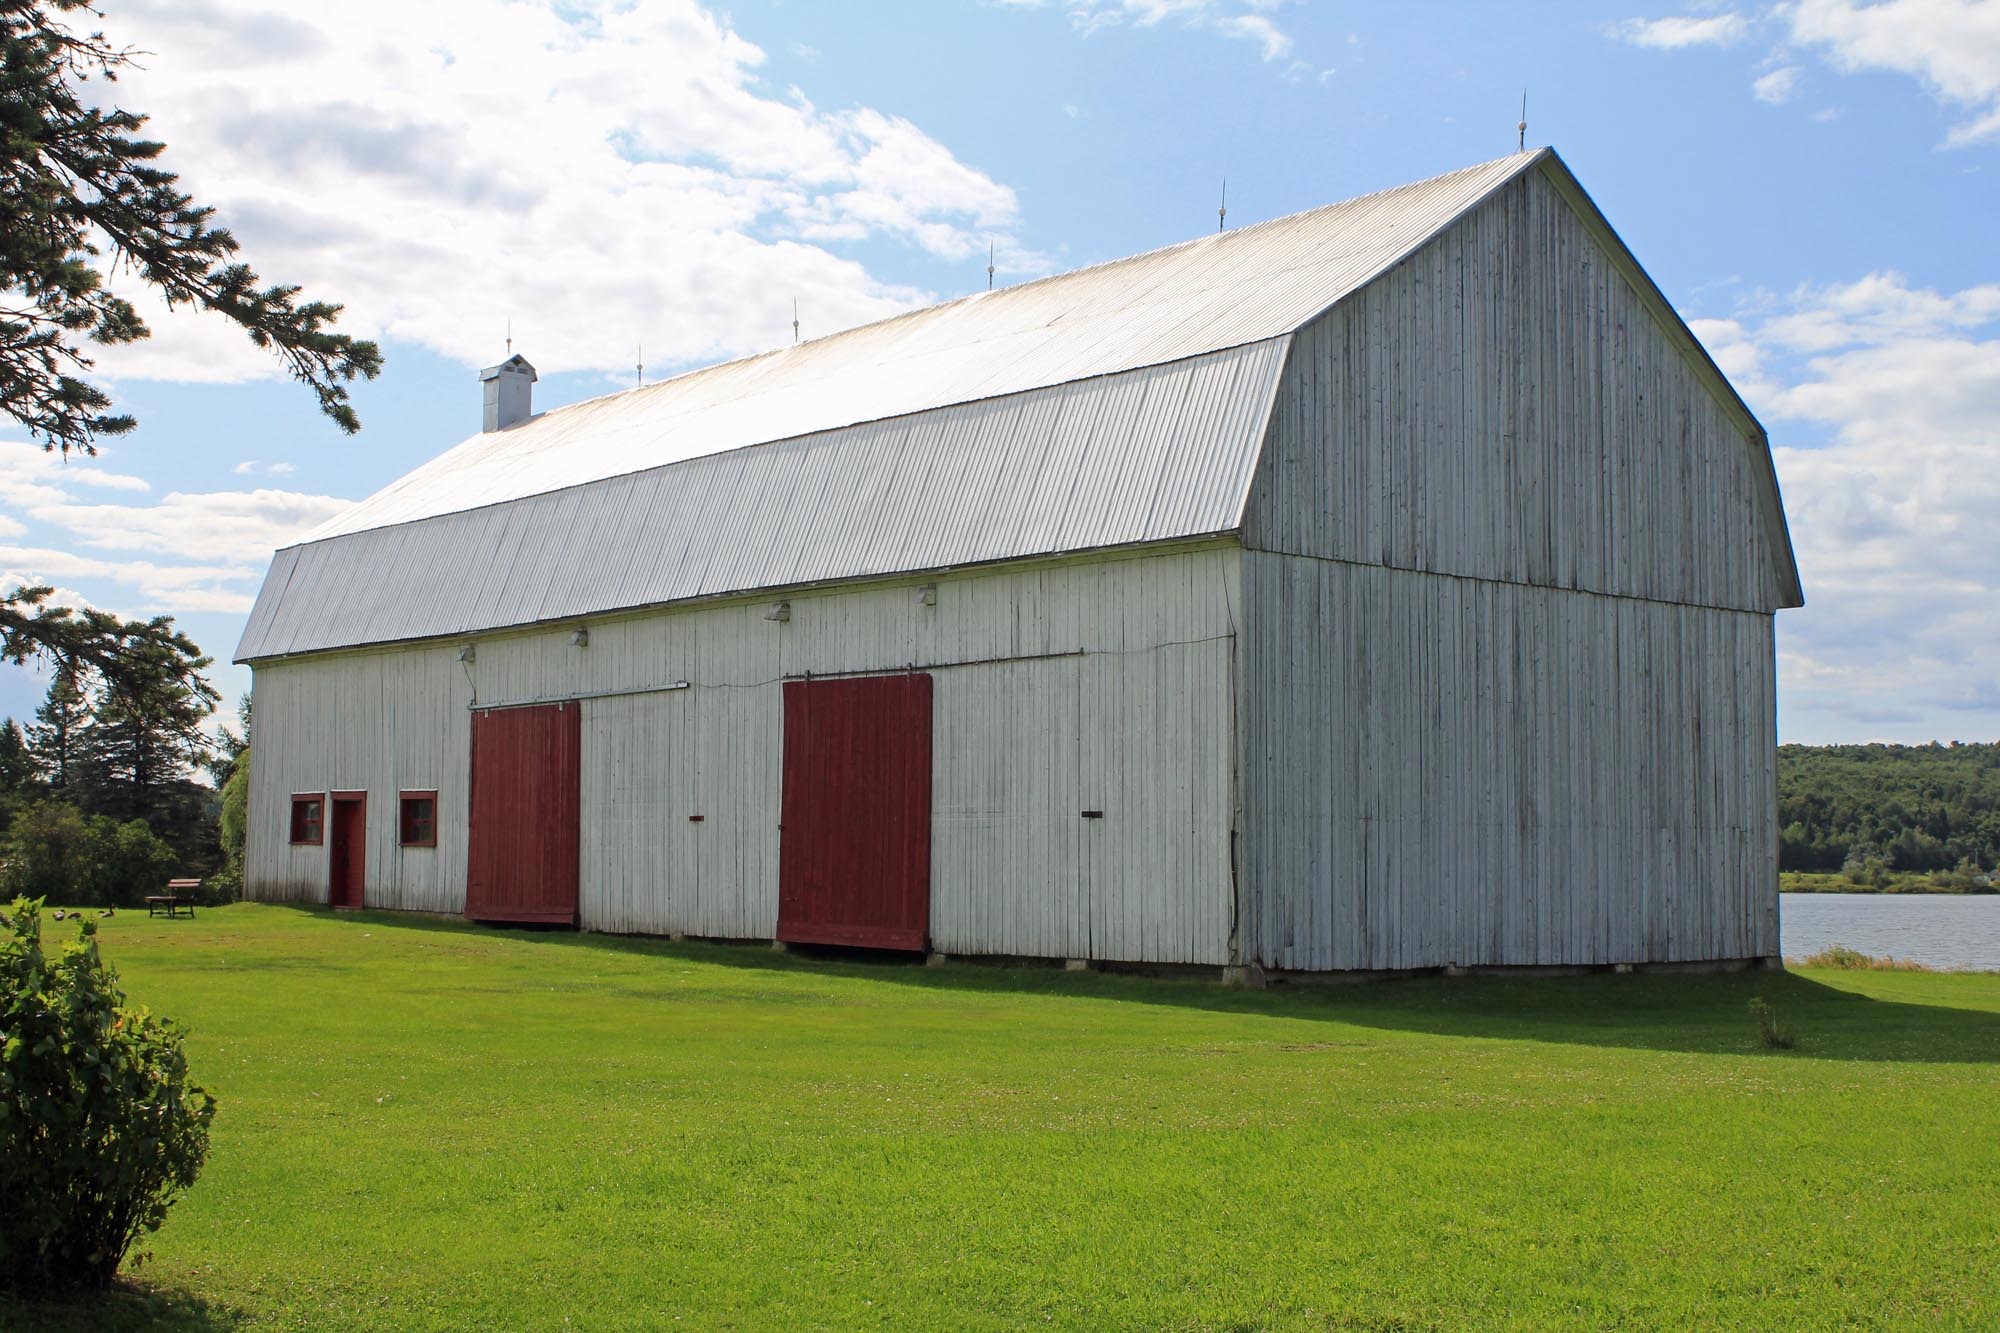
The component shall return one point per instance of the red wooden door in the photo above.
(347, 848)
(854, 858)
(521, 864)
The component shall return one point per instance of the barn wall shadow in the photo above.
(1665, 1012)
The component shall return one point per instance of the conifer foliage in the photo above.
(82, 197)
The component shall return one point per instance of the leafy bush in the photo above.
(53, 851)
(45, 851)
(101, 1128)
(226, 884)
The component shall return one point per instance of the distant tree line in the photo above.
(1870, 809)
(100, 802)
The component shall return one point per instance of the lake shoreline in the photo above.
(1832, 881)
(1942, 931)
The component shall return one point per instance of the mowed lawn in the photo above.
(430, 1125)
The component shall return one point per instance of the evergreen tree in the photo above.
(126, 746)
(145, 736)
(82, 197)
(55, 738)
(17, 762)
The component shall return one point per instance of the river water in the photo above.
(1936, 929)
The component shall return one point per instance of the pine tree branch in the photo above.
(81, 194)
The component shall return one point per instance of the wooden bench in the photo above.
(179, 894)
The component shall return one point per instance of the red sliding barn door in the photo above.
(522, 861)
(854, 860)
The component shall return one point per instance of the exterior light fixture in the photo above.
(580, 639)
(927, 595)
(469, 653)
(781, 612)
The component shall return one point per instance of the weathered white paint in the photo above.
(377, 722)
(1138, 647)
(1508, 689)
(1488, 679)
(1445, 770)
(1141, 737)
(507, 394)
(1505, 405)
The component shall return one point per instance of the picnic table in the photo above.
(179, 894)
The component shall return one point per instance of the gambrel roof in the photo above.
(1121, 404)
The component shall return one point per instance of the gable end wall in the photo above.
(1506, 688)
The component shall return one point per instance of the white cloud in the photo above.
(1894, 515)
(1777, 86)
(1274, 44)
(1683, 30)
(173, 588)
(1246, 20)
(240, 527)
(604, 174)
(1952, 46)
(30, 474)
(194, 551)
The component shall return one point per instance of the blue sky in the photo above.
(1813, 184)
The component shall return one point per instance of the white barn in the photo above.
(1388, 586)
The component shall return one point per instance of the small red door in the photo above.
(854, 857)
(521, 864)
(347, 848)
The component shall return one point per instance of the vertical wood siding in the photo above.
(1444, 770)
(1143, 737)
(1144, 641)
(1503, 405)
(375, 722)
(1507, 682)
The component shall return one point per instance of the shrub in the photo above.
(45, 851)
(53, 851)
(124, 862)
(1770, 1032)
(1840, 956)
(101, 1128)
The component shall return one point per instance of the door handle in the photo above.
(1093, 814)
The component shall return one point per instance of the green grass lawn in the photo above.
(430, 1125)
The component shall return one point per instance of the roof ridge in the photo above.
(1213, 238)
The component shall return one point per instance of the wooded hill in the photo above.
(1889, 807)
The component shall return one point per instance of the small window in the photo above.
(419, 819)
(306, 815)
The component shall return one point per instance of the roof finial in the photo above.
(989, 266)
(1222, 212)
(795, 320)
(1521, 143)
(510, 335)
(639, 371)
